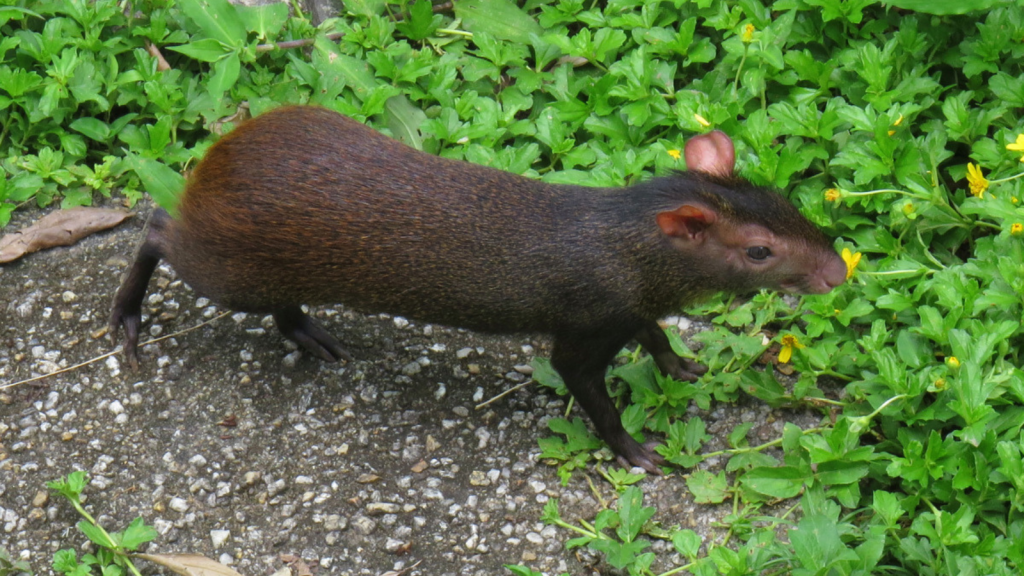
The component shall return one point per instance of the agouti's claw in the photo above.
(643, 456)
(297, 326)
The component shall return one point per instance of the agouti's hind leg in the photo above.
(654, 340)
(297, 326)
(127, 307)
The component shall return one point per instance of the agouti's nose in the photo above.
(833, 272)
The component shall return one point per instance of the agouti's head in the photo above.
(747, 237)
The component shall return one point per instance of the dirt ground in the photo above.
(236, 446)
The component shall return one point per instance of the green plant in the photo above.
(9, 567)
(113, 548)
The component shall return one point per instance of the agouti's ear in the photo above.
(687, 222)
(711, 153)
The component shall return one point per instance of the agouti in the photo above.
(305, 206)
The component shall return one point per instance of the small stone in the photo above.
(335, 522)
(40, 499)
(382, 508)
(69, 296)
(219, 537)
(400, 322)
(412, 368)
(523, 369)
(478, 478)
(116, 407)
(463, 353)
(178, 504)
(290, 360)
(364, 525)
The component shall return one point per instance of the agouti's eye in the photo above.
(759, 252)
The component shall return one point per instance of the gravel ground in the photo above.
(236, 446)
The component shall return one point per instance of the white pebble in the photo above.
(219, 537)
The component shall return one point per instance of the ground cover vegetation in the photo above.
(897, 128)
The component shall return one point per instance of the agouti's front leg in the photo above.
(654, 340)
(582, 363)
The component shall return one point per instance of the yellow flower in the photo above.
(898, 121)
(952, 362)
(851, 262)
(1014, 200)
(909, 208)
(1016, 229)
(976, 180)
(1017, 146)
(748, 33)
(832, 195)
(700, 120)
(675, 154)
(788, 343)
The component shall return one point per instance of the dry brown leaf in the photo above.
(189, 564)
(59, 228)
(296, 564)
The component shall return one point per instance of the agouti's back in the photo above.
(304, 206)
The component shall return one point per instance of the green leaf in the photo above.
(708, 488)
(71, 486)
(817, 544)
(632, 513)
(205, 50)
(226, 71)
(93, 128)
(95, 534)
(620, 555)
(420, 22)
(137, 534)
(941, 7)
(781, 482)
(163, 184)
(266, 20)
(499, 18)
(404, 119)
(218, 19)
(687, 543)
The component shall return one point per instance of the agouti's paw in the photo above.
(131, 323)
(682, 369)
(307, 333)
(642, 455)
